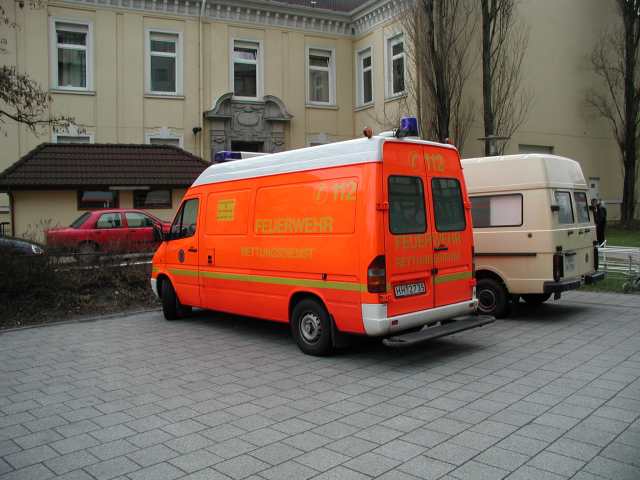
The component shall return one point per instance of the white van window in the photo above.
(406, 205)
(582, 207)
(447, 205)
(497, 211)
(565, 212)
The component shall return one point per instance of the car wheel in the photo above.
(534, 299)
(171, 306)
(87, 253)
(493, 298)
(311, 327)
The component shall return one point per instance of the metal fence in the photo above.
(622, 263)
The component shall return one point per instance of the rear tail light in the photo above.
(377, 275)
(558, 266)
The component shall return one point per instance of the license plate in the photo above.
(570, 263)
(409, 289)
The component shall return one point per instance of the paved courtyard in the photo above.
(548, 394)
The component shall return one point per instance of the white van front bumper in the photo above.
(376, 323)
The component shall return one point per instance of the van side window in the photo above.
(581, 206)
(447, 205)
(406, 205)
(565, 212)
(496, 211)
(184, 225)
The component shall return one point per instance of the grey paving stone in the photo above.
(553, 462)
(575, 449)
(307, 441)
(152, 455)
(612, 469)
(288, 471)
(527, 472)
(622, 453)
(189, 443)
(322, 459)
(161, 471)
(112, 468)
(478, 471)
(32, 456)
(35, 439)
(451, 453)
(71, 444)
(372, 464)
(351, 446)
(71, 461)
(424, 467)
(342, 473)
(425, 437)
(38, 471)
(241, 466)
(400, 450)
(113, 449)
(194, 461)
(232, 448)
(501, 458)
(276, 453)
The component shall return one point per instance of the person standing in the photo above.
(600, 217)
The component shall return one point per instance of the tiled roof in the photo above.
(57, 165)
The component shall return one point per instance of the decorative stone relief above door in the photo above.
(232, 120)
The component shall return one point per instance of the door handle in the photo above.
(193, 249)
(441, 248)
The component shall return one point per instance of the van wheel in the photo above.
(171, 306)
(493, 298)
(535, 298)
(311, 327)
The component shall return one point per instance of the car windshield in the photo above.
(77, 223)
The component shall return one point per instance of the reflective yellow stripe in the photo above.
(298, 282)
(451, 277)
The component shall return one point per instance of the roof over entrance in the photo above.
(56, 166)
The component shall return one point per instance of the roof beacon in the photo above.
(408, 128)
(228, 155)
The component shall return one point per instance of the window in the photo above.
(321, 76)
(447, 205)
(395, 66)
(138, 220)
(175, 141)
(406, 205)
(78, 222)
(97, 199)
(109, 220)
(184, 225)
(365, 77)
(496, 211)
(565, 213)
(71, 55)
(164, 63)
(72, 139)
(152, 199)
(525, 148)
(582, 207)
(246, 56)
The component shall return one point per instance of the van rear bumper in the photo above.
(376, 323)
(594, 277)
(562, 285)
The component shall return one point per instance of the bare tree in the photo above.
(615, 61)
(439, 33)
(22, 99)
(504, 43)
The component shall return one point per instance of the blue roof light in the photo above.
(226, 155)
(408, 127)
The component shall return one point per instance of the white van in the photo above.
(533, 230)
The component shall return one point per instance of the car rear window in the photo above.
(406, 205)
(78, 222)
(565, 212)
(582, 207)
(447, 205)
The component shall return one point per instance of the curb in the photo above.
(109, 316)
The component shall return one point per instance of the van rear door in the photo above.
(408, 248)
(452, 235)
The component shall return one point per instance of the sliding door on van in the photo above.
(452, 237)
(408, 249)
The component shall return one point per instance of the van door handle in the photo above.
(193, 249)
(441, 248)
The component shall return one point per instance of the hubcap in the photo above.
(310, 327)
(487, 300)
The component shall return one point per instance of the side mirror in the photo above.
(158, 234)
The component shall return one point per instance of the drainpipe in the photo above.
(201, 80)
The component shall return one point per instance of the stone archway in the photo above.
(232, 120)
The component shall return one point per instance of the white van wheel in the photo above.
(493, 298)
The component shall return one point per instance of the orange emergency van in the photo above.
(369, 236)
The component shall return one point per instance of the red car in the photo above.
(109, 231)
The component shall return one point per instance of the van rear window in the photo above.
(582, 208)
(447, 205)
(565, 212)
(406, 205)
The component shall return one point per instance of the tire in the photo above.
(88, 253)
(535, 299)
(311, 327)
(171, 306)
(493, 298)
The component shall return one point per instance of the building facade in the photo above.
(259, 75)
